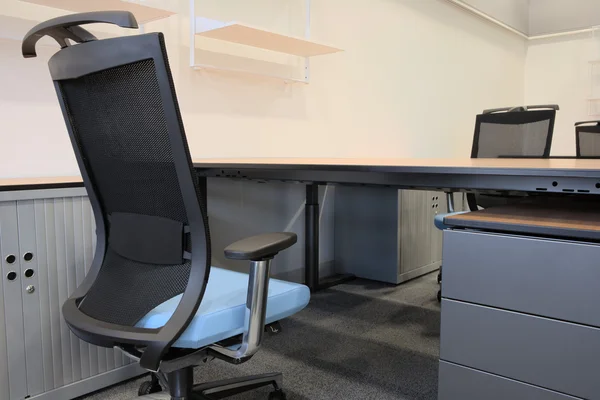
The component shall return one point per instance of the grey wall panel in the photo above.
(46, 358)
(420, 243)
(79, 269)
(461, 383)
(88, 246)
(556, 355)
(238, 209)
(31, 301)
(4, 374)
(54, 303)
(366, 232)
(551, 278)
(13, 305)
(62, 288)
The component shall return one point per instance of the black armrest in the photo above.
(261, 246)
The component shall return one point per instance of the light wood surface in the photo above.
(251, 36)
(566, 164)
(491, 163)
(142, 13)
(556, 214)
(49, 180)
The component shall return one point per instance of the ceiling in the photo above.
(533, 18)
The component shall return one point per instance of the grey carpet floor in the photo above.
(361, 340)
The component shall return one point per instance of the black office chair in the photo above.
(151, 290)
(510, 132)
(587, 138)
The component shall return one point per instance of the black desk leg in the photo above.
(311, 237)
(311, 244)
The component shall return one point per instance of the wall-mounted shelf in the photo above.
(243, 34)
(236, 32)
(142, 13)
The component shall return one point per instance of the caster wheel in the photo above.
(439, 277)
(277, 395)
(149, 387)
(439, 296)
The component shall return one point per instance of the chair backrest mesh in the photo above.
(511, 134)
(121, 131)
(588, 140)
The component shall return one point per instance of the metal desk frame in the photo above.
(555, 176)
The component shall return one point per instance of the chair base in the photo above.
(181, 387)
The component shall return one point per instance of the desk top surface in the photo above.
(510, 166)
(512, 163)
(579, 167)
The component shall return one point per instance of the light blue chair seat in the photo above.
(221, 314)
(439, 219)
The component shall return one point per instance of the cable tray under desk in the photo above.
(558, 217)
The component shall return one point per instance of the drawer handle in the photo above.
(28, 256)
(11, 258)
(11, 276)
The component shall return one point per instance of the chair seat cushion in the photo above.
(439, 219)
(221, 314)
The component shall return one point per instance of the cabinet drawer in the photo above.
(462, 383)
(551, 278)
(556, 355)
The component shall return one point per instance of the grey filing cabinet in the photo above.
(519, 317)
(387, 234)
(47, 241)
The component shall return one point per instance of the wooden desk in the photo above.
(557, 175)
(528, 175)
(51, 182)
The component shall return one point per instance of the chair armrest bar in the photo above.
(256, 309)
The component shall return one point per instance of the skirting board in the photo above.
(93, 383)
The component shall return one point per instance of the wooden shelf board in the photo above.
(236, 32)
(142, 13)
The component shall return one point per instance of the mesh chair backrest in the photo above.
(588, 140)
(513, 134)
(124, 139)
(509, 134)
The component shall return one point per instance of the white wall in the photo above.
(412, 77)
(557, 71)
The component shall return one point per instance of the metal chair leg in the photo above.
(229, 387)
